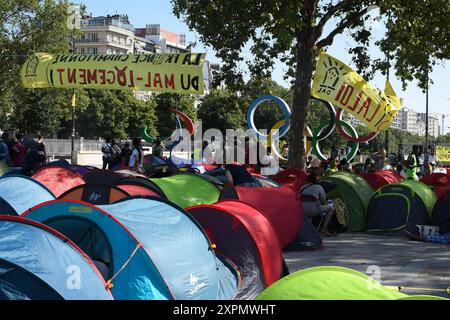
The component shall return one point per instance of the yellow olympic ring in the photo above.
(274, 130)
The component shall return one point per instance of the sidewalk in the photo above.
(401, 262)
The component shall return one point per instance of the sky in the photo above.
(142, 12)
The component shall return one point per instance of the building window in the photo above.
(109, 37)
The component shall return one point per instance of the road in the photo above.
(401, 262)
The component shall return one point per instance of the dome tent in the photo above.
(102, 176)
(58, 179)
(329, 283)
(439, 182)
(441, 215)
(400, 206)
(140, 265)
(140, 187)
(19, 193)
(244, 235)
(187, 189)
(381, 178)
(281, 206)
(96, 193)
(35, 262)
(354, 192)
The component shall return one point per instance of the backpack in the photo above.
(106, 149)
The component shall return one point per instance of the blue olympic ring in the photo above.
(251, 115)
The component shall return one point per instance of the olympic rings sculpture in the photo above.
(325, 129)
(188, 122)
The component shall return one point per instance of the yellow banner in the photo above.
(337, 83)
(443, 153)
(173, 73)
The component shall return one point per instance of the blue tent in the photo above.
(20, 193)
(38, 263)
(153, 250)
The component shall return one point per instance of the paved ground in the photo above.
(401, 262)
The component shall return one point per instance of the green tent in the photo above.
(423, 298)
(187, 190)
(328, 283)
(425, 193)
(353, 194)
(400, 207)
(3, 168)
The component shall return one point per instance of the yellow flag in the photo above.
(390, 93)
(74, 100)
(339, 84)
(171, 73)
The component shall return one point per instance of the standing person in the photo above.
(40, 141)
(116, 151)
(412, 164)
(125, 154)
(19, 152)
(5, 146)
(421, 163)
(137, 156)
(380, 160)
(157, 150)
(107, 154)
(400, 158)
(433, 160)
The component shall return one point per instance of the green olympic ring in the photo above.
(346, 125)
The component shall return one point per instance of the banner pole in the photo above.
(73, 157)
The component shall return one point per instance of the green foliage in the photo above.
(222, 110)
(293, 31)
(167, 120)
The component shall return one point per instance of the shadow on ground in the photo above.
(400, 262)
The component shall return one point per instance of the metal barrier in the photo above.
(63, 148)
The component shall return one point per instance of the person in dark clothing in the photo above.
(5, 148)
(34, 159)
(238, 176)
(125, 154)
(107, 154)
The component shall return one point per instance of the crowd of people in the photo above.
(115, 155)
(413, 166)
(20, 152)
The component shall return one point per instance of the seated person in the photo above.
(314, 201)
(238, 176)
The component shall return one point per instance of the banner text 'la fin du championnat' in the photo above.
(172, 73)
(337, 83)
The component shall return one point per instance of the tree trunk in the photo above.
(304, 70)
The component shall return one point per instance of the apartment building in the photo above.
(167, 41)
(105, 35)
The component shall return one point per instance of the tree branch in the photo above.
(330, 13)
(354, 17)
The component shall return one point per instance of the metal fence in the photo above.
(63, 148)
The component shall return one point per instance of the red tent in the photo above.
(281, 206)
(439, 182)
(381, 178)
(292, 177)
(243, 234)
(136, 190)
(58, 179)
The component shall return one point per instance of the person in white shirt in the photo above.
(137, 156)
